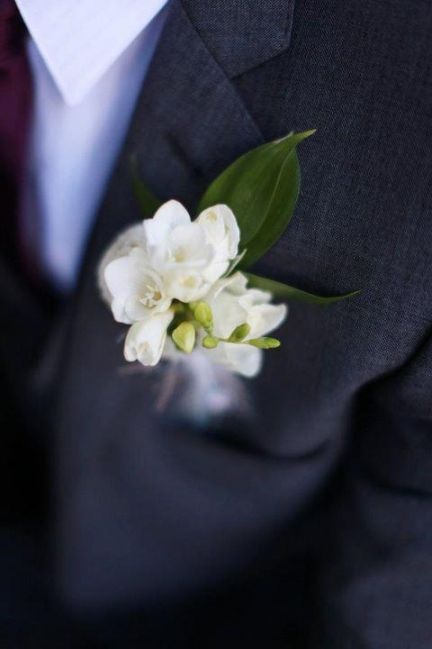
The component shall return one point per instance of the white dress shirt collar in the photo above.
(76, 37)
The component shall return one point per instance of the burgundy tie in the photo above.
(15, 112)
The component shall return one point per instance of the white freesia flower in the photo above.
(135, 288)
(146, 339)
(233, 304)
(222, 232)
(179, 249)
(167, 257)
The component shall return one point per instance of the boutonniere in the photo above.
(183, 286)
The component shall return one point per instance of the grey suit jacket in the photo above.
(314, 521)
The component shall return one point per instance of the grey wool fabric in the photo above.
(310, 526)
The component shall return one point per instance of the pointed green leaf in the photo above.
(147, 201)
(280, 290)
(261, 187)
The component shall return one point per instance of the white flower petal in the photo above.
(169, 216)
(222, 232)
(123, 276)
(236, 284)
(264, 318)
(243, 359)
(135, 288)
(119, 312)
(227, 314)
(212, 221)
(187, 246)
(221, 228)
(137, 308)
(186, 285)
(255, 296)
(146, 339)
(132, 238)
(215, 270)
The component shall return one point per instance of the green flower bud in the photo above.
(264, 343)
(184, 337)
(239, 333)
(203, 314)
(209, 342)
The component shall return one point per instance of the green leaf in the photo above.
(280, 290)
(147, 201)
(261, 187)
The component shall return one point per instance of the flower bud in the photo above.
(203, 314)
(184, 337)
(264, 343)
(209, 342)
(239, 333)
